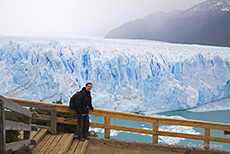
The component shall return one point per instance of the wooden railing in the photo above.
(156, 121)
(12, 109)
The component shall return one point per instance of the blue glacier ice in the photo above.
(127, 75)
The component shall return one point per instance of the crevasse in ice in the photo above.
(127, 75)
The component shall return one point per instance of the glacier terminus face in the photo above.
(128, 75)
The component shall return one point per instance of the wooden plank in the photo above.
(26, 134)
(131, 117)
(219, 139)
(68, 142)
(33, 133)
(84, 146)
(2, 127)
(206, 139)
(181, 122)
(150, 119)
(199, 124)
(64, 108)
(97, 125)
(73, 147)
(79, 147)
(48, 143)
(100, 114)
(13, 125)
(15, 114)
(61, 120)
(155, 132)
(74, 122)
(41, 144)
(21, 134)
(59, 145)
(53, 121)
(12, 114)
(42, 132)
(53, 144)
(130, 129)
(32, 102)
(107, 127)
(37, 106)
(43, 117)
(44, 127)
(17, 145)
(181, 135)
(15, 107)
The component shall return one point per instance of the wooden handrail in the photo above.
(12, 110)
(207, 126)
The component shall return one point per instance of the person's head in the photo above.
(88, 86)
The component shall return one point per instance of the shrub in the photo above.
(22, 150)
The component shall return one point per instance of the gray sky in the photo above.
(76, 18)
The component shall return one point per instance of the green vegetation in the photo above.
(23, 150)
(12, 136)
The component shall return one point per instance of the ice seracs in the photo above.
(127, 75)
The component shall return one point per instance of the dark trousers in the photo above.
(82, 126)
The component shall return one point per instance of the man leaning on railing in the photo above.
(82, 102)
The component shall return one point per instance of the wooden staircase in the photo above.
(47, 143)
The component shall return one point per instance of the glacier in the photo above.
(136, 76)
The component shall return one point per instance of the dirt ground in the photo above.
(112, 146)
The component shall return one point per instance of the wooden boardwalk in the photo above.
(67, 144)
(57, 144)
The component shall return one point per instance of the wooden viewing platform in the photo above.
(56, 144)
(45, 142)
(68, 144)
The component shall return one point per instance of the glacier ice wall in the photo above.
(127, 75)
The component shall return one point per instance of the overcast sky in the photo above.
(76, 18)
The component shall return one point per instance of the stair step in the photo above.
(48, 143)
(39, 136)
(53, 144)
(73, 147)
(68, 142)
(81, 147)
(32, 134)
(41, 144)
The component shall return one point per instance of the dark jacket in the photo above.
(84, 103)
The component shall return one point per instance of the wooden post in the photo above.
(155, 132)
(206, 139)
(2, 128)
(26, 135)
(53, 121)
(107, 127)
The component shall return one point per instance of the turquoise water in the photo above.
(212, 116)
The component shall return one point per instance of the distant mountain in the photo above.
(216, 33)
(143, 28)
(205, 23)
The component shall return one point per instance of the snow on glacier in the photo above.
(127, 75)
